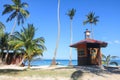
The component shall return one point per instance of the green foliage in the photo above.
(17, 10)
(71, 13)
(25, 40)
(91, 18)
(2, 27)
(107, 60)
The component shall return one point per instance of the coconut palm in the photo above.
(4, 46)
(91, 19)
(18, 12)
(58, 37)
(25, 40)
(71, 14)
(107, 60)
(2, 27)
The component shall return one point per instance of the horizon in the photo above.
(43, 14)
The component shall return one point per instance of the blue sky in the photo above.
(43, 14)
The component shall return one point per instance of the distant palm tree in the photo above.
(91, 19)
(25, 40)
(107, 60)
(58, 37)
(71, 14)
(18, 12)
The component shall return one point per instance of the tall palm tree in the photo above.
(107, 60)
(25, 40)
(58, 37)
(91, 19)
(71, 14)
(18, 12)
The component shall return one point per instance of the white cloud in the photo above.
(113, 42)
(117, 41)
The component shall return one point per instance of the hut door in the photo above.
(93, 55)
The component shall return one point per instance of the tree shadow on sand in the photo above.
(92, 69)
(115, 70)
(10, 71)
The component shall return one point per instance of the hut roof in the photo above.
(88, 40)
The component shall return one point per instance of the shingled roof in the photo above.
(88, 40)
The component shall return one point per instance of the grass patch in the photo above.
(41, 73)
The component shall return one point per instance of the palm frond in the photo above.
(16, 2)
(24, 13)
(114, 63)
(71, 13)
(13, 15)
(25, 39)
(20, 19)
(103, 56)
(24, 5)
(91, 18)
(8, 9)
(2, 26)
(85, 22)
(18, 9)
(108, 59)
(104, 62)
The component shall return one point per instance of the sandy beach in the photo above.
(57, 73)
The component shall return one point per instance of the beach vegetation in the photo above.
(5, 47)
(26, 41)
(2, 28)
(107, 60)
(3, 43)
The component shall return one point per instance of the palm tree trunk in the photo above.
(1, 56)
(71, 38)
(58, 37)
(29, 64)
(92, 31)
(14, 26)
(6, 56)
(21, 61)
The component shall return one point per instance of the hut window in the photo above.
(81, 52)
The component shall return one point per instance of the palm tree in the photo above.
(58, 37)
(18, 12)
(91, 19)
(25, 40)
(71, 14)
(107, 60)
(4, 46)
(2, 27)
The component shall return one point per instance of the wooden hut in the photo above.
(12, 57)
(89, 50)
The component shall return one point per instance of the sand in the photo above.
(77, 73)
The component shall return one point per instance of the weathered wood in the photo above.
(89, 51)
